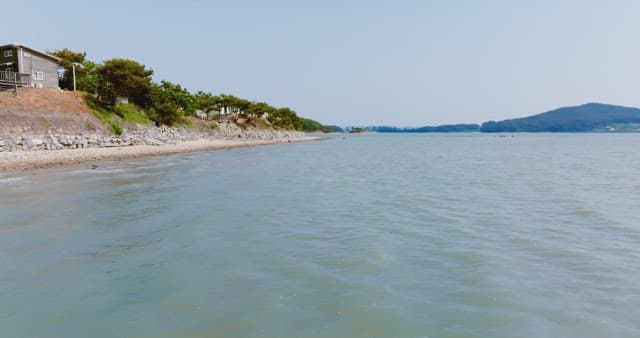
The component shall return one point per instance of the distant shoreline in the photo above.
(41, 159)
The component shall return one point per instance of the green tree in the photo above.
(170, 103)
(233, 105)
(258, 109)
(125, 78)
(165, 113)
(178, 96)
(86, 75)
(285, 118)
(88, 79)
(206, 101)
(311, 125)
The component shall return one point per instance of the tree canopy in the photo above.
(86, 71)
(166, 102)
(285, 118)
(125, 78)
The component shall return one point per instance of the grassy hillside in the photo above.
(584, 118)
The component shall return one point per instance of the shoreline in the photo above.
(42, 159)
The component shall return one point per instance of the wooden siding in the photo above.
(37, 63)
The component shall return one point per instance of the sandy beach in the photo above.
(27, 160)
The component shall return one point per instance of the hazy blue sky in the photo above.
(405, 63)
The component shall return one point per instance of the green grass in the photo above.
(104, 117)
(128, 113)
(131, 114)
(115, 127)
(46, 123)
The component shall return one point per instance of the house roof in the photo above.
(33, 50)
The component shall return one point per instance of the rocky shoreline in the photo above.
(53, 149)
(142, 136)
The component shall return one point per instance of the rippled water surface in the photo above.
(462, 235)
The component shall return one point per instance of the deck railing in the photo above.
(18, 79)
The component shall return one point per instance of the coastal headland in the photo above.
(115, 109)
(43, 128)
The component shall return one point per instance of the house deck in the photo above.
(9, 78)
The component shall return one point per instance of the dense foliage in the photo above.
(166, 103)
(125, 78)
(311, 125)
(177, 95)
(86, 71)
(332, 129)
(588, 117)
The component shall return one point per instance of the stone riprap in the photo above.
(143, 136)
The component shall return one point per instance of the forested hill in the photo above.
(448, 128)
(584, 118)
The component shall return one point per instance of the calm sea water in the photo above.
(461, 235)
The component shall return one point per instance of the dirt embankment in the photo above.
(39, 111)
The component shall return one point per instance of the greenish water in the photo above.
(462, 235)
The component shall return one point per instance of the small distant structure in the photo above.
(122, 100)
(23, 66)
(358, 130)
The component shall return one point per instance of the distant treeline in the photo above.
(448, 128)
(591, 117)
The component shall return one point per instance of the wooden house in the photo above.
(27, 67)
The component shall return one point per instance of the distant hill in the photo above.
(310, 125)
(447, 128)
(584, 118)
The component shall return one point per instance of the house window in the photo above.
(27, 55)
(38, 76)
(8, 53)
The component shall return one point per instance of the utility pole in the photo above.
(73, 66)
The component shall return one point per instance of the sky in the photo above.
(401, 63)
